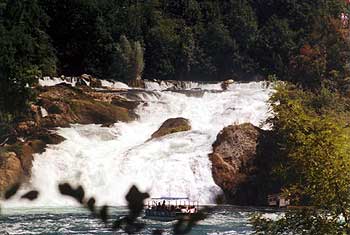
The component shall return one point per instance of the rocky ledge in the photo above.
(56, 106)
(241, 161)
(65, 105)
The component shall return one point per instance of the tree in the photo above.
(25, 52)
(139, 64)
(219, 46)
(276, 43)
(129, 60)
(162, 45)
(315, 162)
(74, 27)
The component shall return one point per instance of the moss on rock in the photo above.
(172, 125)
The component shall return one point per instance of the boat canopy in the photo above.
(170, 198)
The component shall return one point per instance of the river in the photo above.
(107, 161)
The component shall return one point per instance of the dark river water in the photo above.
(222, 220)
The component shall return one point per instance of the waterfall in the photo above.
(106, 161)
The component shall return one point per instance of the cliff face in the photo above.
(241, 160)
(56, 106)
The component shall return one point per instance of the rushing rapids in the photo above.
(106, 161)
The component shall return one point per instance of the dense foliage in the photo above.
(313, 162)
(168, 39)
(25, 52)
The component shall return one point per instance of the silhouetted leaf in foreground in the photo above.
(12, 191)
(91, 204)
(184, 225)
(68, 190)
(135, 201)
(32, 195)
(104, 214)
(79, 195)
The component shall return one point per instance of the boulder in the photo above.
(172, 125)
(10, 170)
(90, 111)
(234, 162)
(49, 138)
(225, 84)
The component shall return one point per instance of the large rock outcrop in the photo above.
(66, 105)
(56, 106)
(16, 159)
(172, 125)
(10, 170)
(240, 164)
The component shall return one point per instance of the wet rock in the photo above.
(172, 125)
(225, 84)
(96, 83)
(50, 138)
(93, 82)
(234, 162)
(124, 103)
(56, 120)
(87, 112)
(23, 152)
(57, 108)
(66, 105)
(26, 156)
(10, 170)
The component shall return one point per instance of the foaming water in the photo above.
(106, 161)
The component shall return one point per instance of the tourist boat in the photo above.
(170, 208)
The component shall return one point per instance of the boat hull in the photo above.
(165, 216)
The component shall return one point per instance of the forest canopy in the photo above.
(183, 40)
(302, 41)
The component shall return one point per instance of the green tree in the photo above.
(25, 52)
(219, 46)
(315, 163)
(275, 45)
(129, 60)
(162, 45)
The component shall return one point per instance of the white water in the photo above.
(52, 81)
(107, 161)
